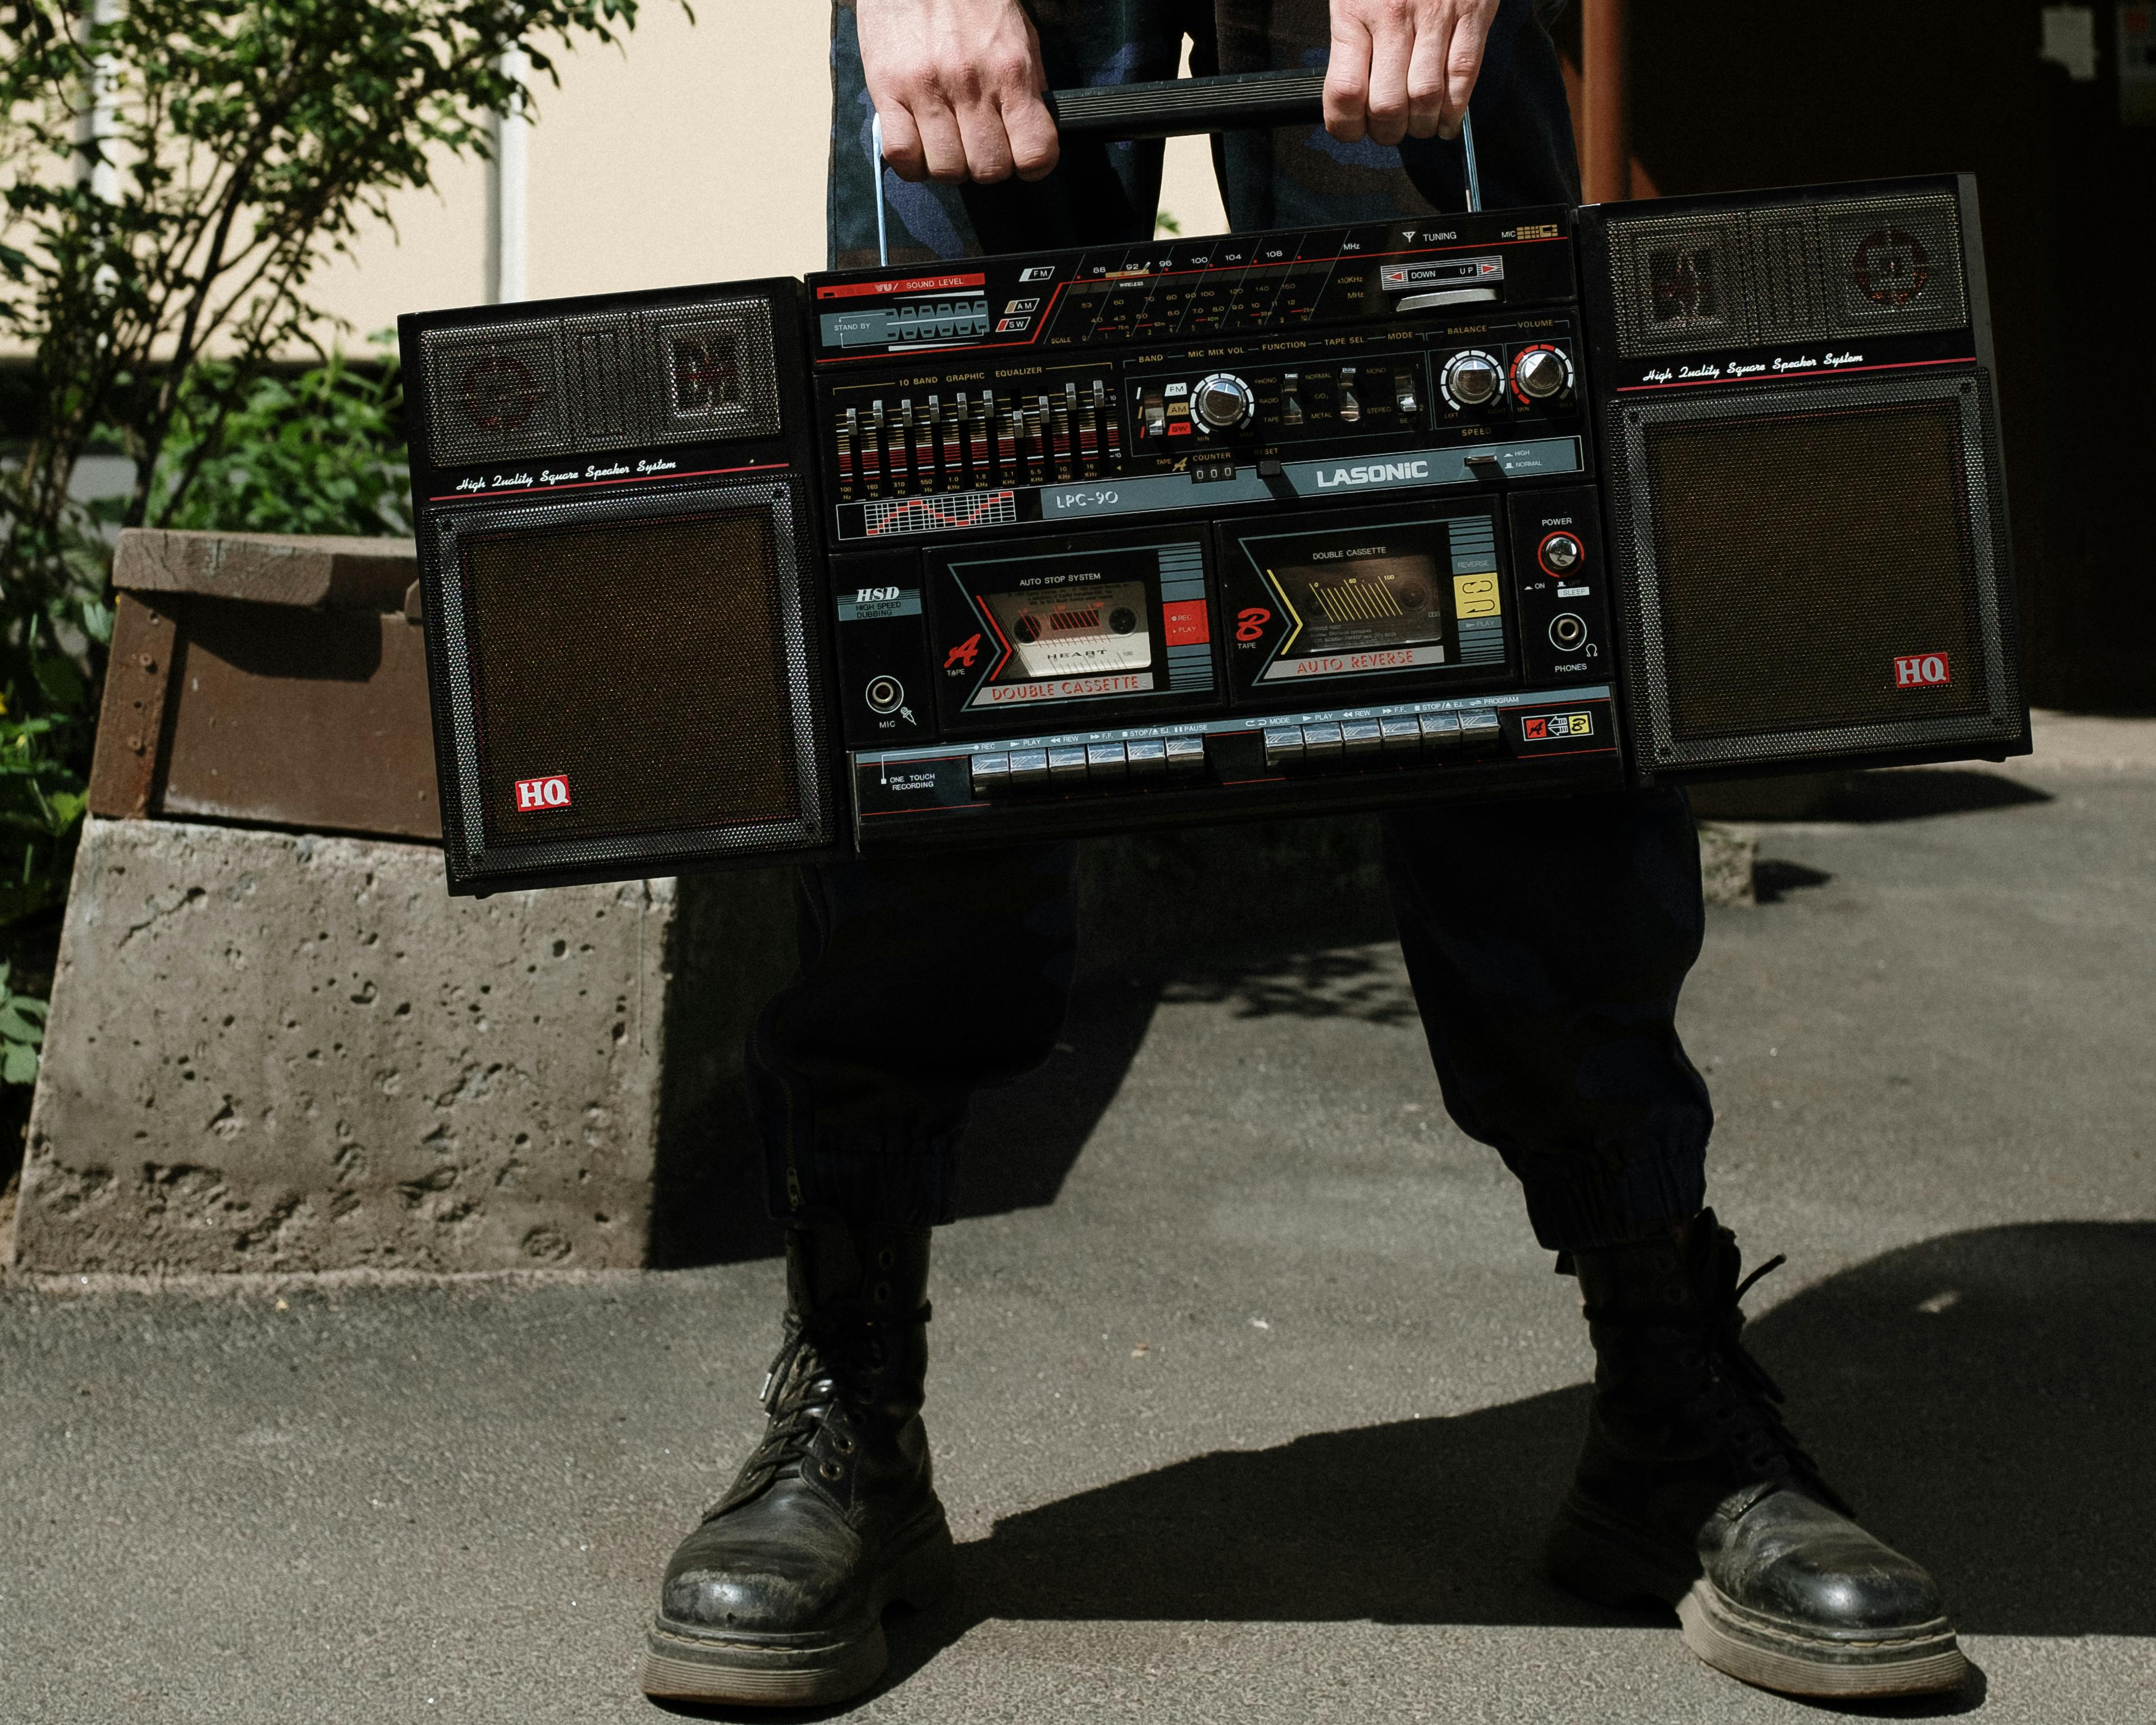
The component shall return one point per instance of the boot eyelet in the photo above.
(842, 1443)
(887, 1257)
(880, 1294)
(831, 1470)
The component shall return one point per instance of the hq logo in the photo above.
(535, 795)
(1922, 670)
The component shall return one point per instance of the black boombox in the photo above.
(1542, 500)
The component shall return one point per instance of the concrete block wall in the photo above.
(273, 1051)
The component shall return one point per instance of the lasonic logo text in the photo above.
(1922, 670)
(1376, 473)
(535, 794)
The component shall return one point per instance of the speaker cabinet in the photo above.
(1800, 455)
(622, 586)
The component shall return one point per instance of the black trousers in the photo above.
(1546, 940)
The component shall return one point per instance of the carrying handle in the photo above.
(1179, 107)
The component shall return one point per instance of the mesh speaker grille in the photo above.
(496, 393)
(654, 656)
(1783, 549)
(1723, 279)
(711, 370)
(606, 386)
(530, 388)
(1896, 265)
(1682, 285)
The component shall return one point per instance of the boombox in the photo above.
(1542, 500)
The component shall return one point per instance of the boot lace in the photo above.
(1736, 1395)
(827, 1363)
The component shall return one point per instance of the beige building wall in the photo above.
(695, 154)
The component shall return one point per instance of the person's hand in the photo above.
(959, 84)
(1403, 67)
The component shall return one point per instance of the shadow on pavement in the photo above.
(1864, 798)
(1982, 1398)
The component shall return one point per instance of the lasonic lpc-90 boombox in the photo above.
(1471, 506)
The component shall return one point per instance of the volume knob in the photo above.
(1541, 373)
(1222, 402)
(1472, 380)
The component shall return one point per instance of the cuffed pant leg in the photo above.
(1547, 941)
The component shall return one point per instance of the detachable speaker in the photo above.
(1802, 471)
(622, 585)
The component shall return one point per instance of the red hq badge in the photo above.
(1921, 670)
(535, 795)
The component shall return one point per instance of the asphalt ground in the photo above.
(1251, 1394)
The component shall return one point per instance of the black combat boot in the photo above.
(777, 1598)
(1693, 1491)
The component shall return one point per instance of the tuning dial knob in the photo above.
(1222, 402)
(1472, 380)
(1541, 372)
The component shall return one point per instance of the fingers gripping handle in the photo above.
(1177, 107)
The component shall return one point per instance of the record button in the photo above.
(1441, 731)
(1321, 744)
(1067, 766)
(1147, 758)
(1028, 766)
(1403, 736)
(1361, 739)
(1105, 761)
(1186, 755)
(1283, 747)
(990, 773)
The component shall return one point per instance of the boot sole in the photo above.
(1601, 1561)
(683, 1663)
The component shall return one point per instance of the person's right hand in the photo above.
(957, 83)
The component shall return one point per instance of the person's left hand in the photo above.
(1403, 67)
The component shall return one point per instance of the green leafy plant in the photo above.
(22, 1034)
(322, 452)
(173, 174)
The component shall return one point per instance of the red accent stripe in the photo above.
(627, 479)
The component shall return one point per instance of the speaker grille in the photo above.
(1790, 550)
(1683, 286)
(1723, 279)
(652, 657)
(519, 389)
(711, 367)
(496, 393)
(1896, 265)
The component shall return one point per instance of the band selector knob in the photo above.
(1222, 402)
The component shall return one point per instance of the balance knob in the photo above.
(1541, 373)
(1222, 402)
(1472, 380)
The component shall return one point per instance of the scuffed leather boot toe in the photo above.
(777, 1598)
(1692, 1491)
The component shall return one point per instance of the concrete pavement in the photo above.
(1252, 1393)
